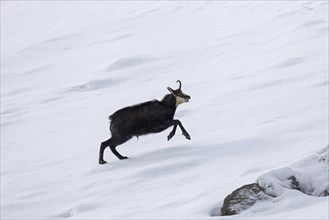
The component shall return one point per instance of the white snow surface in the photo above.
(257, 74)
(311, 174)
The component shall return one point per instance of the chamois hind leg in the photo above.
(103, 146)
(114, 142)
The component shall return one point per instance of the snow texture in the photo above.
(257, 74)
(310, 173)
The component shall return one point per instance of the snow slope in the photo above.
(256, 71)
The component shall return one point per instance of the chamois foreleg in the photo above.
(172, 133)
(176, 123)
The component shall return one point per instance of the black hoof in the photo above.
(124, 158)
(102, 162)
(170, 136)
(187, 136)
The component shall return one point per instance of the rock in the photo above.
(294, 184)
(326, 193)
(243, 198)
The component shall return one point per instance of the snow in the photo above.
(311, 174)
(257, 74)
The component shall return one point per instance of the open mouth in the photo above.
(187, 99)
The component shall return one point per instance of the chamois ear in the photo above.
(171, 91)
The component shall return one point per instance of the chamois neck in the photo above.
(169, 100)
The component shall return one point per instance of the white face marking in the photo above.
(179, 100)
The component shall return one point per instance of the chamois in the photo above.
(145, 118)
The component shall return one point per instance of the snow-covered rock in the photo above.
(309, 176)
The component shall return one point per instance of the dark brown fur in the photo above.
(141, 119)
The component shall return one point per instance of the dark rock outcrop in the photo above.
(243, 198)
(294, 184)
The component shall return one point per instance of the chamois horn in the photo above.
(180, 84)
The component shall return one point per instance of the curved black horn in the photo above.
(180, 84)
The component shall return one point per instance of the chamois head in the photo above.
(179, 95)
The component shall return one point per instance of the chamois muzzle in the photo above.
(187, 98)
